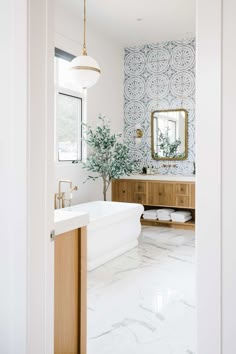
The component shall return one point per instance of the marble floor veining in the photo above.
(143, 302)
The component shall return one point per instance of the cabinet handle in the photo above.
(123, 191)
(160, 194)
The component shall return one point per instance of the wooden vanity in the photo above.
(70, 286)
(152, 191)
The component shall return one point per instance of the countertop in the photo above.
(68, 219)
(159, 177)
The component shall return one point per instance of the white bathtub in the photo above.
(113, 229)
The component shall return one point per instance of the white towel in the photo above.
(149, 217)
(165, 211)
(164, 214)
(180, 218)
(164, 218)
(183, 219)
(150, 211)
(150, 214)
(181, 213)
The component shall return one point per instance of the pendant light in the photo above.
(85, 69)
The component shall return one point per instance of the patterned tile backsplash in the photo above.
(159, 76)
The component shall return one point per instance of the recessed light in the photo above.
(139, 19)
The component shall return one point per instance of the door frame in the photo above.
(208, 179)
(40, 287)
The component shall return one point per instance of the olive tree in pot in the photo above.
(109, 157)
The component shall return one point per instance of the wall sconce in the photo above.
(138, 135)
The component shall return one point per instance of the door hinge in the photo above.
(52, 235)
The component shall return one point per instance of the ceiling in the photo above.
(135, 22)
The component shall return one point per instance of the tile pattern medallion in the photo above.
(143, 302)
(159, 76)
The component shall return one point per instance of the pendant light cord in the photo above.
(84, 46)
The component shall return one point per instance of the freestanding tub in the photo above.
(113, 229)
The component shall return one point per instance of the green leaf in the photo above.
(109, 158)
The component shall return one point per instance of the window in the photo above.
(68, 111)
(68, 127)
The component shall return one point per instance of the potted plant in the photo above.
(109, 157)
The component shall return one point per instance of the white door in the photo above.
(26, 144)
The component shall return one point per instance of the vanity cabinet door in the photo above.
(129, 191)
(121, 191)
(182, 188)
(160, 194)
(182, 201)
(182, 195)
(138, 192)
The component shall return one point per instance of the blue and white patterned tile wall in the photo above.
(159, 76)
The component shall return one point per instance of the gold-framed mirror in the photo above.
(169, 134)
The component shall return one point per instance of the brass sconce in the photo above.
(138, 135)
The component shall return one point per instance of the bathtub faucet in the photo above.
(61, 195)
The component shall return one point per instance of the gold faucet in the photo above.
(60, 196)
(169, 165)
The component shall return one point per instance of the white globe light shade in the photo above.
(86, 71)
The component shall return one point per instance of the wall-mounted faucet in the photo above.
(169, 165)
(60, 198)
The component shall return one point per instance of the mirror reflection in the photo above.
(169, 134)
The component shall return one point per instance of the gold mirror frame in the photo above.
(186, 135)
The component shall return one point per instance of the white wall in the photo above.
(228, 179)
(208, 167)
(216, 187)
(106, 97)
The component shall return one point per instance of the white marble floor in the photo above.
(143, 302)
